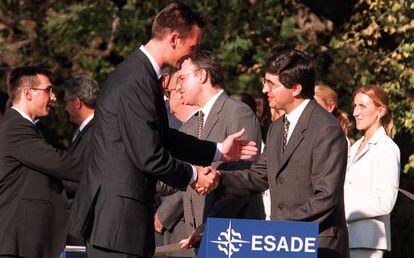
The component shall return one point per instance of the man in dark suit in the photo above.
(132, 146)
(305, 157)
(199, 82)
(81, 93)
(34, 210)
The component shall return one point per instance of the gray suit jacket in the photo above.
(226, 117)
(306, 180)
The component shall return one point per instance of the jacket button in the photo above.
(281, 180)
(280, 206)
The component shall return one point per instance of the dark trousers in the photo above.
(93, 251)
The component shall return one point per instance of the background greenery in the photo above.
(354, 43)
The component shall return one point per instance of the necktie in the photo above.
(200, 123)
(285, 131)
(76, 134)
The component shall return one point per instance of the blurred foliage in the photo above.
(365, 42)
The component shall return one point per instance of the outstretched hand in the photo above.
(235, 149)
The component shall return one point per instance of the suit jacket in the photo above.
(131, 149)
(171, 211)
(34, 209)
(79, 147)
(306, 180)
(370, 191)
(226, 117)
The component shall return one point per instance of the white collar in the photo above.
(85, 122)
(155, 65)
(209, 105)
(23, 114)
(294, 115)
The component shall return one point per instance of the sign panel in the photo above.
(240, 238)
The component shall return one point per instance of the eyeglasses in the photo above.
(48, 90)
(270, 84)
(167, 93)
(181, 78)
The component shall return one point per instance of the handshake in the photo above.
(207, 180)
(233, 149)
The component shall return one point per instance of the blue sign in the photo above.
(242, 238)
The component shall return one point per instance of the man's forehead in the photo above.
(187, 64)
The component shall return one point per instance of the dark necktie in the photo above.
(285, 131)
(200, 123)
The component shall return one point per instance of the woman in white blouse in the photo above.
(372, 178)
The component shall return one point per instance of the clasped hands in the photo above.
(207, 180)
(232, 149)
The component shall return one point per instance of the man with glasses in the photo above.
(34, 210)
(305, 157)
(200, 83)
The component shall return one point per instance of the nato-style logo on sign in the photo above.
(241, 238)
(229, 241)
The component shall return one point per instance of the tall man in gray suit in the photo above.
(199, 82)
(305, 157)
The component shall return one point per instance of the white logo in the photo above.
(229, 241)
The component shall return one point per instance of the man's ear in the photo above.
(203, 75)
(331, 106)
(174, 37)
(27, 93)
(296, 90)
(78, 103)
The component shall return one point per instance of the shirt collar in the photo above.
(154, 64)
(23, 114)
(209, 105)
(293, 117)
(378, 134)
(85, 122)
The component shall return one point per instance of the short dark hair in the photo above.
(293, 67)
(176, 16)
(207, 60)
(83, 87)
(3, 101)
(24, 76)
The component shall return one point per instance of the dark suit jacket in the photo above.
(33, 205)
(226, 117)
(306, 180)
(131, 149)
(171, 210)
(80, 148)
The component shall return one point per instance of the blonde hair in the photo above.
(328, 95)
(380, 98)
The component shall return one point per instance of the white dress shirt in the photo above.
(23, 114)
(207, 107)
(294, 115)
(370, 191)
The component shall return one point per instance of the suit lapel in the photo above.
(297, 135)
(76, 141)
(214, 115)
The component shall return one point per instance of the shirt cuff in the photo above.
(219, 151)
(194, 176)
